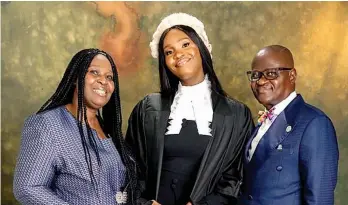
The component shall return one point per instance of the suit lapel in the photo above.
(275, 135)
(270, 140)
(247, 147)
(277, 132)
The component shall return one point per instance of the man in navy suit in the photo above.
(292, 156)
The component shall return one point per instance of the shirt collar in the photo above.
(283, 104)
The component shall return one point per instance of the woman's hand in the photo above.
(155, 202)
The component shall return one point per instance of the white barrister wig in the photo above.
(178, 19)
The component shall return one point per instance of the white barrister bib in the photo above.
(192, 103)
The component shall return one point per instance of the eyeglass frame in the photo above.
(277, 70)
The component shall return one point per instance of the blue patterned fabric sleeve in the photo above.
(319, 162)
(35, 168)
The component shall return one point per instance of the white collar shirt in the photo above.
(266, 124)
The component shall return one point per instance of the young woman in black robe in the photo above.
(188, 139)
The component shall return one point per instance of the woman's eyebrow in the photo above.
(176, 41)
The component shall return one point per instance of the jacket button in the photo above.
(279, 168)
(250, 197)
(175, 181)
(173, 186)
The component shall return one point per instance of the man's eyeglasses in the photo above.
(269, 74)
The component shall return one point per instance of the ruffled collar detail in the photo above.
(192, 103)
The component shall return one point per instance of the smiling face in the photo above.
(99, 84)
(271, 92)
(183, 58)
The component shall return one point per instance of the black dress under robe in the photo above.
(181, 160)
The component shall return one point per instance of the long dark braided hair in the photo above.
(110, 117)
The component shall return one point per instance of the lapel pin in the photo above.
(288, 128)
(280, 147)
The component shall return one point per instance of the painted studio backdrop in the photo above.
(38, 40)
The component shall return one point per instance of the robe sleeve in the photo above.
(135, 137)
(228, 188)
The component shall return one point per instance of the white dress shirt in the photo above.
(266, 124)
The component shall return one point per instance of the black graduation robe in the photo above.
(220, 174)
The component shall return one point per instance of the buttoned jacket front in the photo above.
(295, 161)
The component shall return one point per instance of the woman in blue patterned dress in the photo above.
(72, 152)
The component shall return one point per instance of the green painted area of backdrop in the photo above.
(38, 40)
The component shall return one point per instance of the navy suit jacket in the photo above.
(295, 162)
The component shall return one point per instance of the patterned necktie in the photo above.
(263, 115)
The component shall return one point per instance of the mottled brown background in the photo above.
(39, 39)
